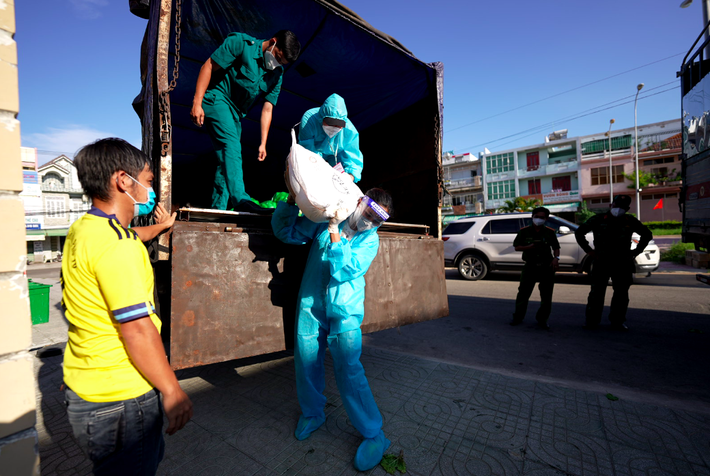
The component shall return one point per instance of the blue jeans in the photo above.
(121, 438)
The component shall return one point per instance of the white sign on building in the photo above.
(560, 197)
(32, 199)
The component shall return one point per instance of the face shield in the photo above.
(369, 214)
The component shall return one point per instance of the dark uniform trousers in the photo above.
(620, 270)
(535, 273)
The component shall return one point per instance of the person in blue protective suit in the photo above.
(229, 82)
(330, 311)
(327, 131)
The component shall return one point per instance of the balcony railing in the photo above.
(448, 209)
(471, 182)
(496, 203)
(560, 167)
(655, 142)
(459, 159)
(60, 189)
(497, 177)
(532, 171)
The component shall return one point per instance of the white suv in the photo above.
(484, 243)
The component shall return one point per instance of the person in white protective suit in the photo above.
(330, 311)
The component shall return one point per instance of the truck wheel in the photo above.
(472, 267)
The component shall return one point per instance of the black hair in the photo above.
(288, 44)
(541, 209)
(382, 198)
(623, 201)
(97, 162)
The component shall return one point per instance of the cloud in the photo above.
(65, 140)
(89, 9)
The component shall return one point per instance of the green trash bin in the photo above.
(39, 302)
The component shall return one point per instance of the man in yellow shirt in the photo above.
(115, 368)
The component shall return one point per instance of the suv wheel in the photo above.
(472, 267)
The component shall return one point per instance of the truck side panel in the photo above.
(234, 290)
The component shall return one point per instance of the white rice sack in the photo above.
(320, 190)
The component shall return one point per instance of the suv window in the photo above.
(457, 228)
(498, 227)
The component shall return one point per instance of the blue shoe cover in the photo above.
(370, 452)
(306, 426)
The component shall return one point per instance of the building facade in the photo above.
(53, 200)
(464, 185)
(659, 150)
(547, 172)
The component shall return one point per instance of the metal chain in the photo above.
(163, 100)
(178, 31)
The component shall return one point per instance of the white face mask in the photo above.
(270, 60)
(331, 131)
(538, 221)
(617, 212)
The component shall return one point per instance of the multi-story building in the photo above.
(53, 200)
(462, 180)
(659, 149)
(548, 172)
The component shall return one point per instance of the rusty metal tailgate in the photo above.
(234, 289)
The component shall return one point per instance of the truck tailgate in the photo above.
(234, 289)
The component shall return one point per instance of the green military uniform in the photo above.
(231, 93)
(538, 268)
(613, 258)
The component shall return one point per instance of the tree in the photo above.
(584, 213)
(645, 179)
(509, 207)
(528, 204)
(519, 204)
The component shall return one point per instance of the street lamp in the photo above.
(636, 149)
(611, 184)
(706, 7)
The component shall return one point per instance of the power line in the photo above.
(586, 112)
(560, 94)
(573, 117)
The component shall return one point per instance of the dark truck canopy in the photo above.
(393, 99)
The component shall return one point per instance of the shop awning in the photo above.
(35, 235)
(563, 207)
(57, 232)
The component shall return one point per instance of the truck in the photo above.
(227, 288)
(695, 172)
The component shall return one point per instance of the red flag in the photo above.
(659, 205)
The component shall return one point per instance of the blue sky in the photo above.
(79, 66)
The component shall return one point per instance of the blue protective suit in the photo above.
(330, 311)
(346, 142)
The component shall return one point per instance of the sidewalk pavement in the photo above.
(446, 419)
(671, 267)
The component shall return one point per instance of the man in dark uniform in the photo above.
(541, 253)
(613, 258)
(229, 82)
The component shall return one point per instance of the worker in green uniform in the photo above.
(541, 253)
(613, 258)
(229, 82)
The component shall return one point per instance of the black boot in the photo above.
(251, 207)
